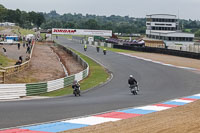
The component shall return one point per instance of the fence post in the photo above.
(4, 77)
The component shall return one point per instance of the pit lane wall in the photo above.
(14, 91)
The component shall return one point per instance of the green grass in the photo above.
(5, 62)
(43, 36)
(97, 76)
(119, 50)
(20, 31)
(187, 30)
(2, 28)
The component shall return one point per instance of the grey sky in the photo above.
(134, 8)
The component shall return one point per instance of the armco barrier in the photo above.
(161, 51)
(13, 91)
(151, 50)
(36, 88)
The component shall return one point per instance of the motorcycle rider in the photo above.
(76, 85)
(132, 82)
(85, 47)
(104, 51)
(97, 48)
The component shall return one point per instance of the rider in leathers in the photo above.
(132, 81)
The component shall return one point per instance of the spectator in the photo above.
(23, 44)
(29, 41)
(18, 62)
(4, 50)
(18, 45)
(20, 58)
(28, 50)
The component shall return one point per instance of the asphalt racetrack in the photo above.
(157, 83)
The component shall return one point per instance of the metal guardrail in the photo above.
(13, 91)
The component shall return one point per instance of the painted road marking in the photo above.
(137, 111)
(194, 97)
(55, 127)
(92, 120)
(174, 103)
(152, 107)
(120, 115)
(183, 101)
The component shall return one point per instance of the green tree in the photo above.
(197, 33)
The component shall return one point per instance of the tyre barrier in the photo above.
(14, 91)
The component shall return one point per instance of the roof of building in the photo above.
(170, 16)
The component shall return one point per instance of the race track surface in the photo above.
(157, 83)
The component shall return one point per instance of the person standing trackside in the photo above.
(85, 47)
(104, 51)
(98, 48)
(18, 45)
(4, 50)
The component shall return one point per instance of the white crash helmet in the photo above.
(131, 76)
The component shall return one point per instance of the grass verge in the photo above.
(97, 75)
(5, 62)
(43, 36)
(118, 50)
(20, 31)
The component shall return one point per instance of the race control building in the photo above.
(166, 27)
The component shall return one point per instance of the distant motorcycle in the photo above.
(77, 91)
(104, 52)
(98, 49)
(134, 89)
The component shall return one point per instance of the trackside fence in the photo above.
(174, 52)
(13, 91)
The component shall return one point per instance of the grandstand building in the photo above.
(166, 27)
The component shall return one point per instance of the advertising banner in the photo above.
(58, 31)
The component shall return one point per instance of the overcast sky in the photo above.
(187, 9)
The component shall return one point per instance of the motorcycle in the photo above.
(85, 49)
(134, 89)
(98, 49)
(77, 91)
(104, 52)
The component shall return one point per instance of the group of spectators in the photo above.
(28, 45)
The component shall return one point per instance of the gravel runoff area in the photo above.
(45, 66)
(183, 119)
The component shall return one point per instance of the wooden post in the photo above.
(4, 77)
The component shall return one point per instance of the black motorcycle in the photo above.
(77, 91)
(98, 49)
(134, 89)
(104, 52)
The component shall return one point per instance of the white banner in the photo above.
(57, 31)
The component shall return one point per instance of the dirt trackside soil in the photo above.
(184, 119)
(45, 66)
(70, 64)
(169, 59)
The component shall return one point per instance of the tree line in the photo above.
(117, 24)
(21, 18)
